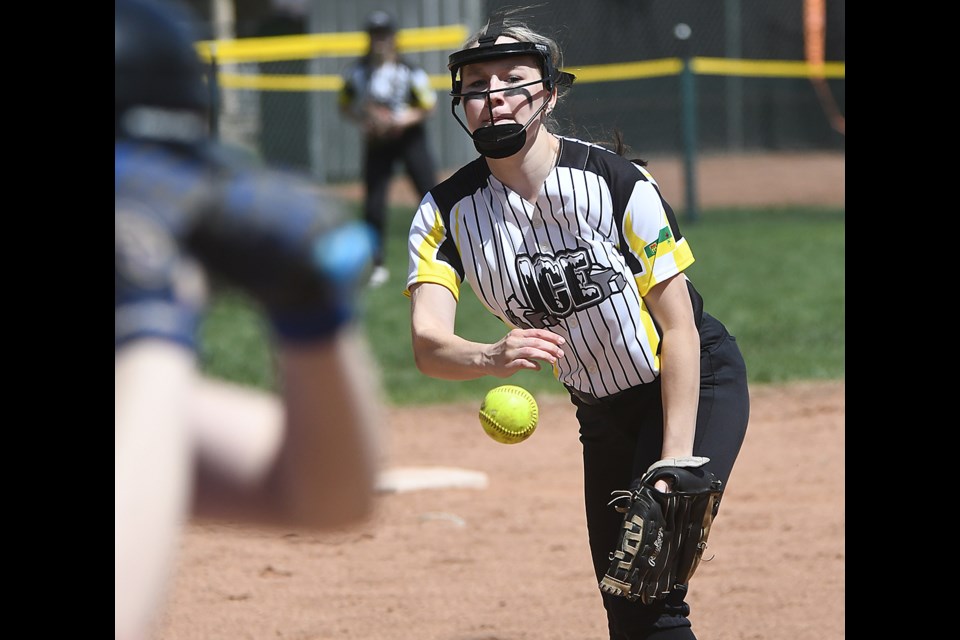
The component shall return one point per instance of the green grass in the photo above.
(775, 277)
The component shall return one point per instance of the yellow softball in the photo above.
(509, 414)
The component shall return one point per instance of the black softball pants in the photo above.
(380, 158)
(622, 437)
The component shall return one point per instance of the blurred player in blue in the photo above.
(185, 217)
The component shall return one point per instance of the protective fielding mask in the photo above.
(501, 140)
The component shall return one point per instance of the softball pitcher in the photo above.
(572, 246)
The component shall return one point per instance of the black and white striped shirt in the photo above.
(396, 85)
(578, 262)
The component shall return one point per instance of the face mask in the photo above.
(500, 140)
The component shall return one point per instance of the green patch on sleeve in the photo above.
(665, 236)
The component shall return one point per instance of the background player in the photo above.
(390, 98)
(187, 444)
(572, 246)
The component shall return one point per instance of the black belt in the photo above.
(593, 401)
(585, 398)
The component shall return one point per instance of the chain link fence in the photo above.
(757, 84)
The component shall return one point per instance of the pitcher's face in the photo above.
(502, 91)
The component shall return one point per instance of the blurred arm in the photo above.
(312, 464)
(152, 471)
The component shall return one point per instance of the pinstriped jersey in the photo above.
(578, 262)
(396, 85)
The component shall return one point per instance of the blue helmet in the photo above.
(160, 90)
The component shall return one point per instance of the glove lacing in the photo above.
(623, 496)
